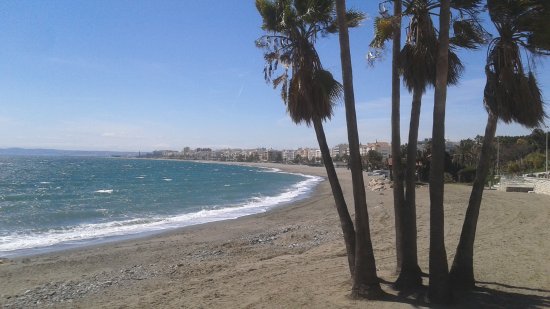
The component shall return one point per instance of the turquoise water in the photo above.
(47, 203)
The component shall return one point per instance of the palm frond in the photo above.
(326, 92)
(353, 18)
(468, 34)
(383, 32)
(455, 68)
(522, 103)
(470, 6)
(270, 15)
(417, 66)
(418, 63)
(510, 93)
(314, 12)
(299, 103)
(302, 6)
(535, 27)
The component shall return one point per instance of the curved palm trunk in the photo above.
(439, 290)
(365, 281)
(410, 275)
(341, 207)
(462, 270)
(397, 171)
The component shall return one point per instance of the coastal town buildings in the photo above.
(262, 154)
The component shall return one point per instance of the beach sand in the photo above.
(291, 257)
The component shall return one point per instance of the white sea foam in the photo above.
(15, 244)
(167, 179)
(45, 182)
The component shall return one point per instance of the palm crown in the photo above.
(418, 57)
(293, 26)
(511, 93)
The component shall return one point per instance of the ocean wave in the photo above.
(109, 191)
(18, 243)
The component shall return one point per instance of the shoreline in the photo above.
(291, 256)
(165, 226)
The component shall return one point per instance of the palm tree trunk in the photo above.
(345, 219)
(365, 281)
(410, 275)
(462, 270)
(439, 290)
(397, 170)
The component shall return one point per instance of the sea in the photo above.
(54, 203)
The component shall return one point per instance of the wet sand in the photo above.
(290, 257)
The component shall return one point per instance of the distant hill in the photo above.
(57, 152)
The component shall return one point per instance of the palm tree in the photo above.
(418, 68)
(398, 189)
(439, 290)
(417, 64)
(308, 90)
(365, 283)
(385, 27)
(511, 94)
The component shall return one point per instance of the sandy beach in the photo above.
(291, 257)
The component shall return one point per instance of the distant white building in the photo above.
(340, 150)
(169, 153)
(288, 155)
(302, 152)
(313, 154)
(363, 150)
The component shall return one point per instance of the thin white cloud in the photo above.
(240, 91)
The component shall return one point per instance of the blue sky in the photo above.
(144, 75)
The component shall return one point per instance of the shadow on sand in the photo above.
(485, 295)
(497, 295)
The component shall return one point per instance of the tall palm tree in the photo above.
(417, 64)
(387, 27)
(398, 189)
(365, 283)
(439, 290)
(511, 94)
(418, 68)
(308, 90)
